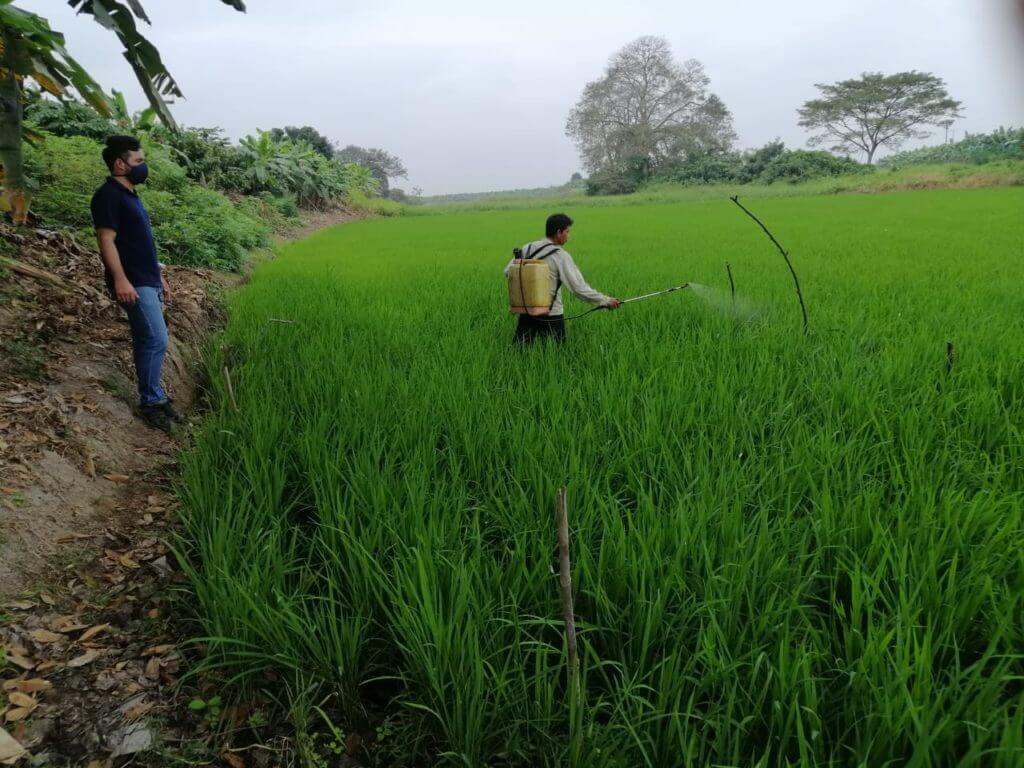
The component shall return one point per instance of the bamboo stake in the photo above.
(950, 356)
(565, 582)
(732, 285)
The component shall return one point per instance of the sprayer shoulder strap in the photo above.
(541, 254)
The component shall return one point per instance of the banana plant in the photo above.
(30, 50)
(156, 81)
(143, 121)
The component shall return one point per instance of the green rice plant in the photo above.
(787, 549)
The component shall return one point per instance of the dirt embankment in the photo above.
(84, 502)
(88, 631)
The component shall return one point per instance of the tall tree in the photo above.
(382, 165)
(645, 109)
(30, 50)
(877, 110)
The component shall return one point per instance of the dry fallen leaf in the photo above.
(86, 658)
(20, 605)
(19, 699)
(20, 661)
(45, 636)
(138, 711)
(19, 713)
(153, 668)
(34, 685)
(10, 750)
(67, 624)
(232, 759)
(116, 478)
(158, 650)
(90, 466)
(90, 633)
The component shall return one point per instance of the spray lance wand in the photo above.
(634, 298)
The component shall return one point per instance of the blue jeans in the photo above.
(149, 342)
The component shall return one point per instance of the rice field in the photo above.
(787, 549)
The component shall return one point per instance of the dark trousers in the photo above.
(531, 328)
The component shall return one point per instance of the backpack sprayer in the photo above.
(529, 286)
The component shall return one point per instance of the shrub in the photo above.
(612, 183)
(193, 225)
(979, 148)
(66, 118)
(800, 165)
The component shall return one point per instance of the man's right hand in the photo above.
(125, 292)
(612, 304)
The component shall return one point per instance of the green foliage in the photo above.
(68, 118)
(800, 165)
(202, 227)
(877, 110)
(193, 225)
(261, 165)
(206, 154)
(279, 213)
(383, 165)
(712, 165)
(787, 549)
(1001, 144)
(611, 182)
(307, 134)
(210, 709)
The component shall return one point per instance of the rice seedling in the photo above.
(787, 549)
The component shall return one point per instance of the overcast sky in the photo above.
(473, 96)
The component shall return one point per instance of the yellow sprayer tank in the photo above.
(529, 287)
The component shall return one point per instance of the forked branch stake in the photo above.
(785, 255)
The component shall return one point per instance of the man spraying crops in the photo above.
(132, 272)
(545, 318)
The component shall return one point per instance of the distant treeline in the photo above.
(1001, 144)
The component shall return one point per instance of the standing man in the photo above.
(563, 271)
(132, 271)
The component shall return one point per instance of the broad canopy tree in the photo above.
(382, 165)
(877, 110)
(647, 110)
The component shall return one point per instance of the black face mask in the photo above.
(138, 174)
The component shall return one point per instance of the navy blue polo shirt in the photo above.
(116, 207)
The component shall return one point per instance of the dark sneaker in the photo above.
(172, 414)
(156, 417)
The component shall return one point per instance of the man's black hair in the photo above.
(556, 223)
(119, 147)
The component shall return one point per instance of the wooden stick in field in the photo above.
(732, 285)
(950, 356)
(565, 582)
(231, 389)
